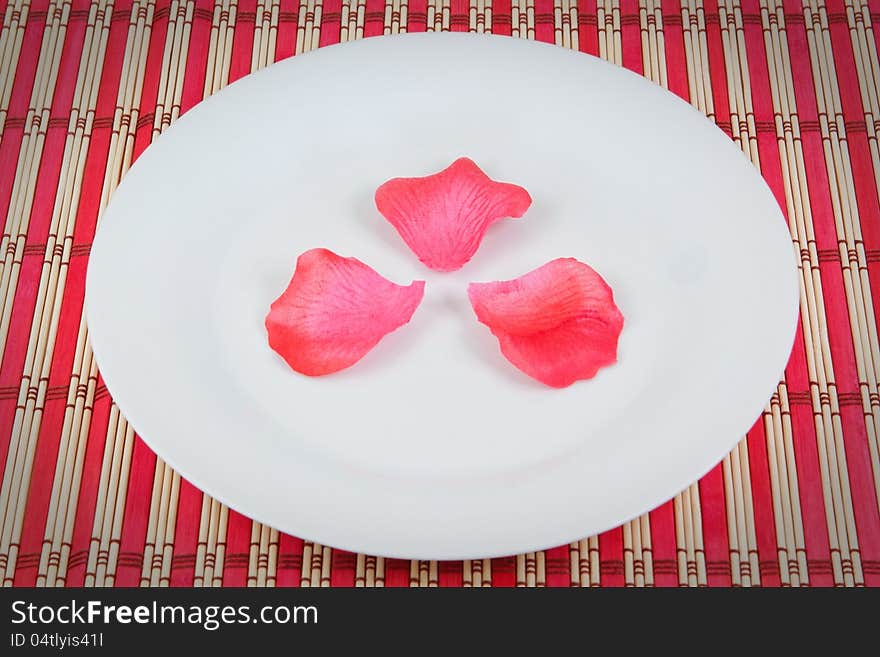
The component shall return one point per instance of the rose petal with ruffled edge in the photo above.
(443, 217)
(334, 311)
(558, 323)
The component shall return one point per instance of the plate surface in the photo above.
(433, 446)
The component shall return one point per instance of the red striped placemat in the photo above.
(85, 87)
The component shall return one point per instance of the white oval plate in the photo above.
(433, 446)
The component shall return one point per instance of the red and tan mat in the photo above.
(84, 89)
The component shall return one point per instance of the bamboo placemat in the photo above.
(85, 87)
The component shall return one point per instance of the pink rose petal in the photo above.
(557, 323)
(334, 311)
(443, 217)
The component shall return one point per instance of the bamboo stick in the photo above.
(742, 539)
(346, 21)
(119, 506)
(867, 352)
(798, 565)
(628, 557)
(161, 478)
(102, 509)
(202, 545)
(59, 525)
(113, 490)
(379, 580)
(212, 511)
(559, 38)
(530, 570)
(530, 19)
(360, 22)
(360, 571)
(316, 25)
(514, 19)
(305, 579)
(745, 566)
(608, 20)
(574, 564)
(50, 48)
(262, 558)
(683, 542)
(823, 391)
(785, 491)
(326, 564)
(166, 76)
(857, 287)
(113, 512)
(737, 69)
(30, 154)
(11, 35)
(260, 33)
(387, 20)
(301, 26)
(256, 542)
(272, 558)
(423, 573)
